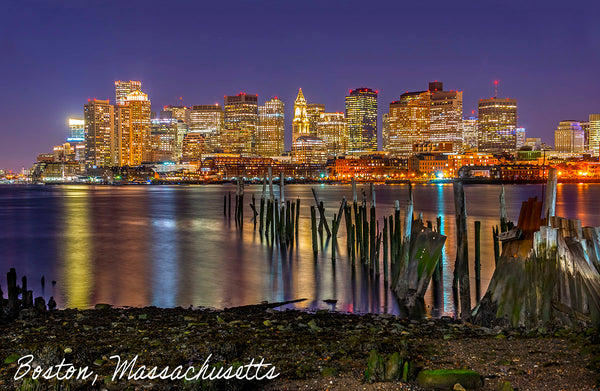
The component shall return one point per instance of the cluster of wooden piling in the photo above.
(13, 305)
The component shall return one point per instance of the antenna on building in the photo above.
(495, 89)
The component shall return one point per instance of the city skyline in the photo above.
(526, 53)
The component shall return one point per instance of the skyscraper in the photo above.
(408, 121)
(271, 128)
(470, 131)
(445, 116)
(332, 129)
(361, 117)
(240, 122)
(594, 134)
(208, 121)
(166, 139)
(301, 122)
(99, 133)
(181, 113)
(569, 137)
(385, 131)
(313, 111)
(123, 88)
(497, 125)
(133, 129)
(520, 137)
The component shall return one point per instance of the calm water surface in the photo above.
(171, 246)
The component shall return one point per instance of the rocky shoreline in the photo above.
(310, 351)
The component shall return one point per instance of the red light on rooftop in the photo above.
(377, 91)
(349, 91)
(496, 82)
(89, 100)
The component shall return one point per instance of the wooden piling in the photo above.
(496, 245)
(13, 292)
(385, 250)
(297, 214)
(334, 237)
(478, 259)
(461, 281)
(313, 226)
(550, 196)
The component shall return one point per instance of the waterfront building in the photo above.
(98, 116)
(240, 116)
(408, 122)
(124, 88)
(497, 125)
(271, 128)
(309, 150)
(569, 137)
(300, 123)
(594, 134)
(534, 142)
(469, 133)
(361, 119)
(446, 115)
(332, 129)
(313, 111)
(194, 146)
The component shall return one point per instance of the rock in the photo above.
(458, 387)
(102, 306)
(313, 325)
(375, 369)
(267, 323)
(51, 303)
(143, 317)
(445, 379)
(27, 313)
(40, 304)
(68, 351)
(328, 371)
(504, 386)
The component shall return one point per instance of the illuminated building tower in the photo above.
(207, 120)
(361, 117)
(133, 129)
(585, 125)
(166, 139)
(313, 111)
(76, 130)
(123, 88)
(385, 131)
(181, 113)
(569, 137)
(594, 134)
(271, 128)
(240, 122)
(300, 123)
(469, 133)
(445, 116)
(408, 121)
(332, 129)
(98, 116)
(520, 137)
(497, 125)
(193, 146)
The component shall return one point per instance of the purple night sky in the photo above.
(57, 54)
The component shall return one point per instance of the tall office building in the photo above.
(445, 116)
(123, 88)
(594, 135)
(408, 121)
(76, 130)
(133, 129)
(271, 128)
(166, 139)
(300, 123)
(332, 129)
(469, 133)
(385, 131)
(99, 133)
(208, 121)
(569, 137)
(313, 111)
(361, 117)
(497, 125)
(240, 122)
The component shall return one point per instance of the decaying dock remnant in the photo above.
(548, 271)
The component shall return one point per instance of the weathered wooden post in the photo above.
(334, 237)
(13, 291)
(297, 214)
(437, 275)
(271, 194)
(1, 301)
(313, 226)
(550, 197)
(461, 281)
(496, 245)
(478, 259)
(503, 214)
(354, 195)
(385, 250)
(372, 236)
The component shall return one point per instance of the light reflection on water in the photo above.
(171, 246)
